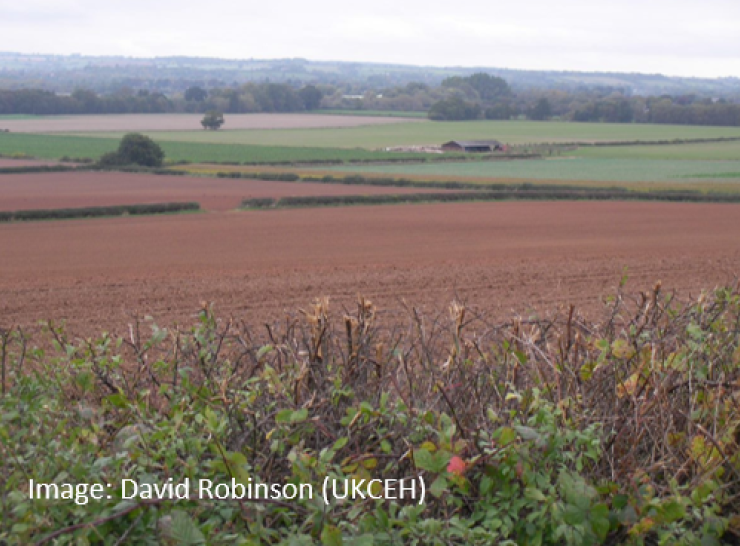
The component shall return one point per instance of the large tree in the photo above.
(195, 93)
(134, 149)
(213, 120)
(311, 97)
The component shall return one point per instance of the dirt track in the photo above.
(189, 122)
(254, 265)
(90, 189)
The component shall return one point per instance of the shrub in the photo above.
(91, 212)
(553, 431)
(134, 149)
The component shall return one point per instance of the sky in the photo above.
(671, 37)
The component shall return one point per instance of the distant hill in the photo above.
(64, 73)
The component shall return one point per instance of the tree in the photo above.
(213, 120)
(134, 149)
(453, 109)
(311, 97)
(196, 94)
(541, 110)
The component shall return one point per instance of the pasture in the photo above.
(57, 146)
(563, 169)
(435, 133)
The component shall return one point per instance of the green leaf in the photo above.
(527, 433)
(423, 459)
(672, 511)
(184, 532)
(283, 416)
(506, 436)
(362, 540)
(299, 416)
(339, 444)
(331, 536)
(438, 486)
(534, 494)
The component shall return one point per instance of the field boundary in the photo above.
(97, 212)
(533, 195)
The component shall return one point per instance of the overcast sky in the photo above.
(673, 37)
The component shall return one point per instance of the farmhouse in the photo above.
(472, 146)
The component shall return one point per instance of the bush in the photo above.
(134, 149)
(554, 431)
(92, 212)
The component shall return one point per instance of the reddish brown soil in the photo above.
(89, 189)
(189, 122)
(254, 265)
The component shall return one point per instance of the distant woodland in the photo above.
(49, 85)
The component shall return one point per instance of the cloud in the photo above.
(680, 37)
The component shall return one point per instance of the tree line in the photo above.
(478, 96)
(260, 97)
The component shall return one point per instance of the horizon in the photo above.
(378, 63)
(678, 38)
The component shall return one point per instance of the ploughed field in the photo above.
(258, 265)
(90, 189)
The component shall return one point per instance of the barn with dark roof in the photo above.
(470, 146)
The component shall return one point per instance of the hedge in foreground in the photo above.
(92, 212)
(533, 431)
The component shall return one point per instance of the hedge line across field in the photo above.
(37, 169)
(532, 195)
(93, 212)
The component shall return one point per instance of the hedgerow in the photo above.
(519, 194)
(532, 431)
(37, 169)
(91, 212)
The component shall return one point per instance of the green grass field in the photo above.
(709, 150)
(580, 168)
(378, 136)
(56, 146)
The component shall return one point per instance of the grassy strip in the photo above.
(714, 175)
(406, 183)
(533, 195)
(96, 212)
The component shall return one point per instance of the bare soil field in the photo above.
(501, 258)
(189, 122)
(89, 189)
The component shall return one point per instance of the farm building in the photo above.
(472, 146)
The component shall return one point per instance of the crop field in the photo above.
(710, 150)
(92, 189)
(183, 122)
(9, 163)
(435, 133)
(57, 146)
(255, 265)
(564, 168)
